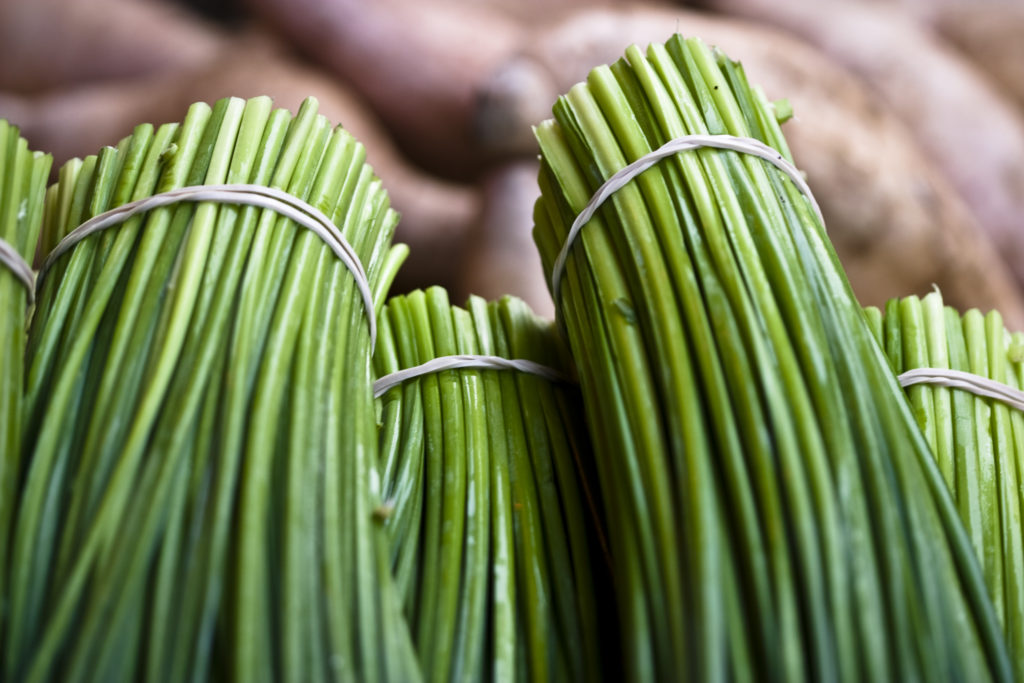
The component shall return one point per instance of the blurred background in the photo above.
(909, 114)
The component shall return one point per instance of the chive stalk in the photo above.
(23, 175)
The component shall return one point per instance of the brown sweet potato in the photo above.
(991, 35)
(76, 121)
(50, 43)
(415, 63)
(500, 254)
(927, 11)
(897, 224)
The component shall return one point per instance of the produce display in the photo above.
(235, 449)
(916, 183)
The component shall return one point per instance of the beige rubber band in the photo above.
(685, 143)
(260, 196)
(19, 267)
(460, 361)
(958, 379)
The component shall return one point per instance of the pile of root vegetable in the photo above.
(915, 146)
(729, 387)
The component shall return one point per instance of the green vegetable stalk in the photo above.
(977, 442)
(200, 441)
(23, 176)
(774, 511)
(493, 537)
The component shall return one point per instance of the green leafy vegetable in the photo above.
(493, 540)
(23, 175)
(977, 442)
(774, 512)
(200, 451)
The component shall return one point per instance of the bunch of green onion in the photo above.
(200, 440)
(977, 441)
(492, 538)
(774, 511)
(23, 177)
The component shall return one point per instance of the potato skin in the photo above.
(49, 44)
(991, 36)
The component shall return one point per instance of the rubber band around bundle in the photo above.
(260, 196)
(18, 266)
(684, 143)
(463, 361)
(958, 379)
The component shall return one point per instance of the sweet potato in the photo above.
(897, 224)
(416, 63)
(927, 11)
(500, 254)
(50, 43)
(991, 35)
(969, 129)
(77, 121)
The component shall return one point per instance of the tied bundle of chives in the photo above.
(977, 441)
(491, 534)
(23, 177)
(774, 513)
(198, 491)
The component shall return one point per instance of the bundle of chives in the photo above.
(978, 442)
(23, 176)
(492, 538)
(199, 482)
(773, 510)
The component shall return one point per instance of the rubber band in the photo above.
(685, 143)
(460, 361)
(18, 266)
(958, 379)
(260, 196)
